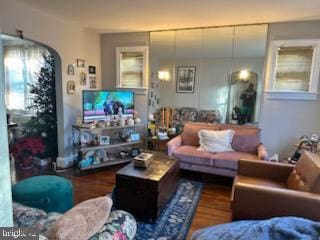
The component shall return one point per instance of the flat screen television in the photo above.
(101, 104)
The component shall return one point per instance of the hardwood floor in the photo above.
(213, 207)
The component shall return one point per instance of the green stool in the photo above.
(49, 193)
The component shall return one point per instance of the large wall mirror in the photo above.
(209, 70)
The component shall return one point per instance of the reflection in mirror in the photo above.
(248, 64)
(244, 92)
(162, 65)
(216, 66)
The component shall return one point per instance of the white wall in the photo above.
(284, 121)
(109, 42)
(71, 42)
(5, 184)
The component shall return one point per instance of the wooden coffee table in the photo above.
(144, 192)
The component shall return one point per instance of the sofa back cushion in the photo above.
(306, 175)
(190, 132)
(245, 139)
(215, 141)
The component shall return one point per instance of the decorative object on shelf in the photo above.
(124, 136)
(104, 140)
(83, 78)
(134, 152)
(172, 131)
(25, 149)
(80, 63)
(93, 82)
(124, 154)
(92, 70)
(135, 137)
(122, 122)
(130, 122)
(85, 162)
(70, 69)
(186, 79)
(95, 139)
(85, 138)
(102, 155)
(71, 87)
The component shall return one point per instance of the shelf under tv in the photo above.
(106, 164)
(112, 145)
(77, 127)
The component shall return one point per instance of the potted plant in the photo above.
(25, 149)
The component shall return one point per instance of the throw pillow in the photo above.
(215, 141)
(82, 221)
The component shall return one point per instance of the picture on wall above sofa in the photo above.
(185, 79)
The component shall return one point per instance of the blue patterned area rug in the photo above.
(176, 217)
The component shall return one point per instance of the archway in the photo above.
(58, 90)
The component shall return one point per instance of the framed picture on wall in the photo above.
(185, 79)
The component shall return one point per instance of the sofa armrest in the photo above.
(261, 202)
(262, 152)
(261, 169)
(174, 144)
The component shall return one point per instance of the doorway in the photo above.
(30, 93)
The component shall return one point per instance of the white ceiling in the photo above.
(147, 15)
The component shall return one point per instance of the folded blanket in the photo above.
(281, 228)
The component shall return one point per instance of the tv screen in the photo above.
(98, 104)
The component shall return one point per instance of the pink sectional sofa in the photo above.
(246, 145)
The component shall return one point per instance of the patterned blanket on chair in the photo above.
(281, 228)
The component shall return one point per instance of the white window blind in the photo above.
(294, 68)
(131, 69)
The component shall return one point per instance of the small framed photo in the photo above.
(83, 78)
(186, 79)
(70, 69)
(92, 70)
(104, 140)
(80, 63)
(135, 137)
(71, 87)
(93, 82)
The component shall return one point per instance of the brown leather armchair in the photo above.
(263, 190)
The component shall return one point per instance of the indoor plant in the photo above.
(25, 149)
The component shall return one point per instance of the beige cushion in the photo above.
(306, 175)
(215, 141)
(190, 132)
(82, 221)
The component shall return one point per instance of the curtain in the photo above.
(22, 64)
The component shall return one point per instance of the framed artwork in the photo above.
(185, 79)
(83, 78)
(71, 87)
(104, 140)
(70, 69)
(80, 63)
(92, 70)
(92, 82)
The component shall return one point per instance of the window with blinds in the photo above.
(294, 68)
(131, 69)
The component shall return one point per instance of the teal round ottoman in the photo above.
(49, 193)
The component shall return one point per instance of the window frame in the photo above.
(312, 92)
(145, 52)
